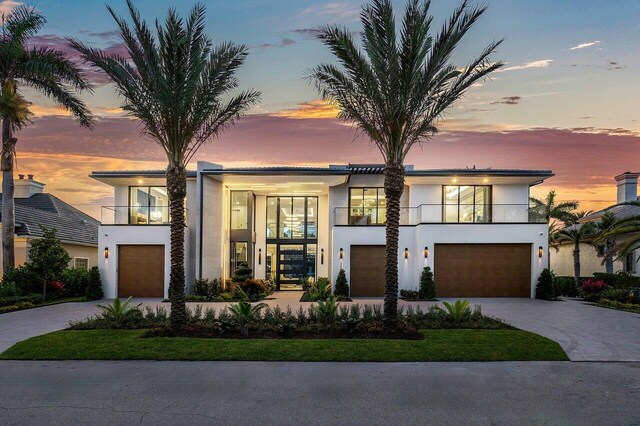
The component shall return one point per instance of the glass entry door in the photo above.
(291, 266)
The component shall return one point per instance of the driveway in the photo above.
(586, 333)
(288, 393)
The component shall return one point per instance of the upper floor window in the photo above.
(294, 218)
(367, 206)
(148, 205)
(467, 203)
(239, 209)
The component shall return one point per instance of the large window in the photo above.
(239, 253)
(148, 205)
(239, 210)
(292, 218)
(467, 204)
(367, 206)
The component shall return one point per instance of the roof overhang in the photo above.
(135, 177)
(281, 184)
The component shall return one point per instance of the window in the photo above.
(81, 263)
(239, 209)
(239, 253)
(148, 205)
(629, 263)
(467, 204)
(367, 206)
(600, 251)
(292, 218)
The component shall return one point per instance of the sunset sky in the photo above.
(568, 98)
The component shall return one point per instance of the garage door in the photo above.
(482, 270)
(141, 271)
(367, 271)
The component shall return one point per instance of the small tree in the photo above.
(342, 286)
(47, 257)
(545, 289)
(242, 273)
(94, 285)
(427, 285)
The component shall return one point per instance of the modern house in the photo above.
(77, 231)
(592, 256)
(473, 227)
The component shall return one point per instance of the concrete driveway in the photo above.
(586, 333)
(289, 393)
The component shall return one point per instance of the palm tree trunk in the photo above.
(393, 187)
(177, 191)
(608, 259)
(8, 205)
(576, 264)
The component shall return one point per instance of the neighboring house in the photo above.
(592, 257)
(472, 226)
(77, 231)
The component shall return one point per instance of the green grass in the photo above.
(439, 345)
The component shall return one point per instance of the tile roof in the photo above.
(51, 212)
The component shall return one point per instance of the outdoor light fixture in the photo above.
(406, 253)
(540, 251)
(426, 252)
(259, 256)
(322, 256)
(485, 180)
(454, 180)
(106, 252)
(341, 254)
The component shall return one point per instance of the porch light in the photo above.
(485, 180)
(406, 253)
(322, 256)
(426, 252)
(540, 251)
(454, 180)
(341, 253)
(106, 252)
(259, 256)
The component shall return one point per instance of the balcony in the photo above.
(441, 213)
(134, 215)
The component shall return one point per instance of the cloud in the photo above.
(542, 63)
(336, 11)
(282, 43)
(311, 109)
(585, 45)
(614, 66)
(308, 33)
(48, 110)
(508, 100)
(7, 6)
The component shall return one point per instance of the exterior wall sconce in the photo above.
(341, 253)
(322, 256)
(106, 252)
(406, 253)
(259, 256)
(540, 251)
(426, 252)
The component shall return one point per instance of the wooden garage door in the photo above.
(367, 271)
(482, 270)
(141, 271)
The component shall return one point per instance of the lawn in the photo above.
(439, 345)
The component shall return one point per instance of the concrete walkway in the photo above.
(287, 393)
(586, 333)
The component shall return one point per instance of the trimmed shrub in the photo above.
(252, 287)
(427, 285)
(620, 279)
(8, 289)
(24, 279)
(591, 289)
(409, 294)
(342, 286)
(243, 273)
(566, 286)
(207, 288)
(615, 294)
(34, 299)
(545, 289)
(94, 285)
(75, 282)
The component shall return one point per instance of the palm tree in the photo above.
(607, 223)
(43, 69)
(552, 213)
(576, 233)
(395, 90)
(628, 226)
(174, 84)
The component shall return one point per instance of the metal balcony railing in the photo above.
(441, 213)
(135, 215)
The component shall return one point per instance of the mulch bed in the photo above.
(211, 333)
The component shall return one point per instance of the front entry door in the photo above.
(291, 266)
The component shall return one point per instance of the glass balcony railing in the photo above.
(443, 213)
(135, 215)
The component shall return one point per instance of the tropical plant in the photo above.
(603, 236)
(575, 232)
(342, 285)
(545, 288)
(327, 310)
(94, 285)
(244, 312)
(629, 227)
(174, 83)
(395, 90)
(119, 311)
(553, 213)
(427, 285)
(43, 69)
(457, 311)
